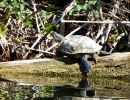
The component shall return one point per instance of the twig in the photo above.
(54, 45)
(68, 9)
(36, 42)
(75, 30)
(107, 32)
(100, 32)
(8, 21)
(41, 21)
(117, 40)
(2, 45)
(41, 51)
(36, 16)
(47, 17)
(97, 22)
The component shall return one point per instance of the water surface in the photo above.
(30, 87)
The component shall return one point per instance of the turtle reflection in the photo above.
(83, 90)
(67, 92)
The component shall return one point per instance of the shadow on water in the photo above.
(52, 88)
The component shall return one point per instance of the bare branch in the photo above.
(36, 16)
(97, 22)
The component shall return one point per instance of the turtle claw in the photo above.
(94, 58)
(104, 53)
(95, 61)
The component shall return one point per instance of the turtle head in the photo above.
(57, 36)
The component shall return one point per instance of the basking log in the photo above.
(114, 65)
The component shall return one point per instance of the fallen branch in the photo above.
(115, 65)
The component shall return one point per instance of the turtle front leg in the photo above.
(59, 53)
(84, 65)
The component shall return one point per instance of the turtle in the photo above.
(80, 48)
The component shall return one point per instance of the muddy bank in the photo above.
(115, 65)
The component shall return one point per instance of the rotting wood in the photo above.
(115, 65)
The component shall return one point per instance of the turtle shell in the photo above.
(78, 44)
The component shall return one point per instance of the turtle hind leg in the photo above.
(84, 65)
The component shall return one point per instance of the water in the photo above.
(28, 87)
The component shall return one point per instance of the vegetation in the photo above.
(26, 26)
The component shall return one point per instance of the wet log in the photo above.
(114, 65)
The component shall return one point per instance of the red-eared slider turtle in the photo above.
(78, 47)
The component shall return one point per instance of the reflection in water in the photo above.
(86, 90)
(82, 90)
(10, 90)
(68, 92)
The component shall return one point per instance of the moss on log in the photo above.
(115, 65)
